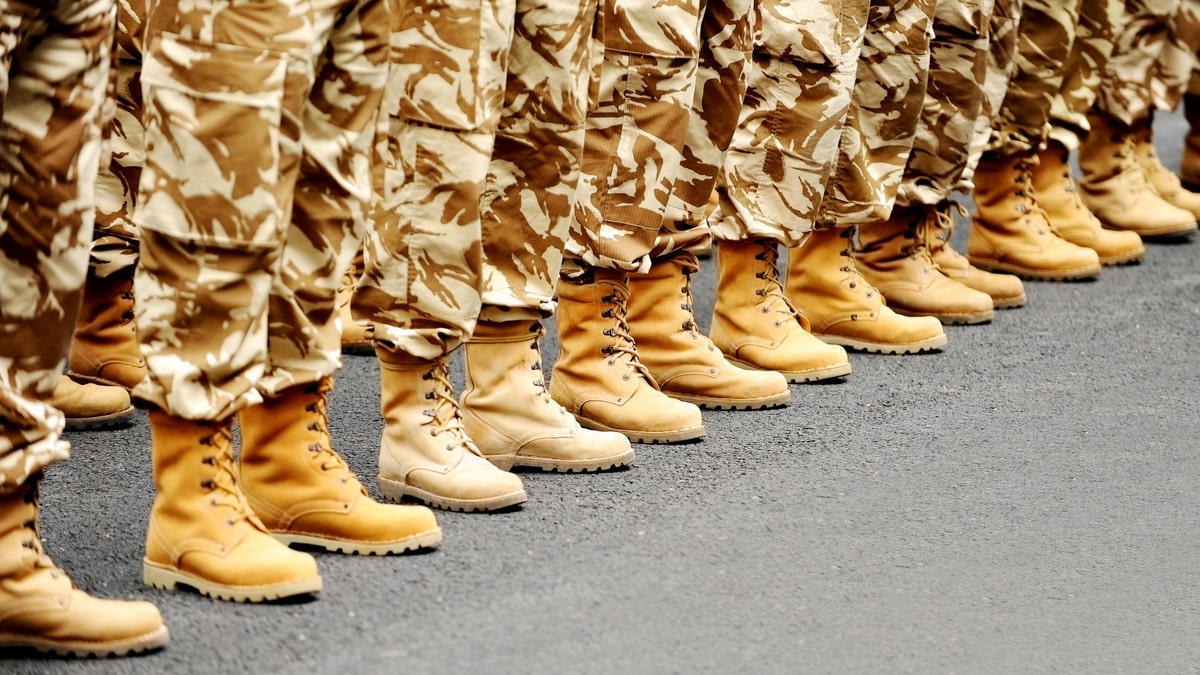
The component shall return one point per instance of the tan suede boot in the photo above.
(354, 336)
(893, 256)
(1010, 231)
(92, 406)
(40, 607)
(1189, 161)
(682, 360)
(599, 376)
(1006, 290)
(1115, 186)
(202, 533)
(425, 453)
(755, 325)
(303, 491)
(105, 348)
(510, 415)
(1059, 197)
(1163, 180)
(844, 309)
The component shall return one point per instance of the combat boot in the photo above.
(824, 282)
(1115, 187)
(202, 533)
(424, 452)
(682, 360)
(1163, 180)
(755, 325)
(1010, 231)
(40, 606)
(354, 336)
(599, 376)
(304, 492)
(92, 406)
(1057, 194)
(510, 415)
(105, 349)
(1189, 161)
(893, 256)
(1006, 290)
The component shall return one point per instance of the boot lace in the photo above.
(444, 417)
(774, 298)
(328, 460)
(850, 268)
(222, 485)
(541, 390)
(1029, 206)
(623, 344)
(1130, 166)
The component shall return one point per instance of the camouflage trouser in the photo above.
(422, 284)
(1175, 65)
(953, 99)
(1002, 53)
(56, 59)
(115, 246)
(259, 123)
(1082, 71)
(1126, 88)
(667, 89)
(886, 102)
(798, 93)
(529, 197)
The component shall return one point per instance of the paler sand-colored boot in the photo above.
(599, 376)
(843, 308)
(304, 492)
(1189, 161)
(354, 336)
(1059, 197)
(1116, 189)
(1163, 180)
(893, 256)
(1006, 290)
(682, 360)
(202, 533)
(40, 607)
(1010, 231)
(509, 414)
(92, 406)
(755, 325)
(425, 453)
(105, 348)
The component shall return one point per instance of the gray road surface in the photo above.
(1025, 501)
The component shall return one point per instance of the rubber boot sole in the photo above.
(719, 403)
(169, 579)
(644, 436)
(928, 345)
(416, 542)
(951, 318)
(396, 491)
(110, 421)
(507, 462)
(799, 376)
(1077, 274)
(87, 648)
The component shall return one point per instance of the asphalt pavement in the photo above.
(1024, 501)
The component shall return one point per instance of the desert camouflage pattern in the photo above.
(1175, 65)
(798, 93)
(529, 196)
(667, 86)
(886, 102)
(953, 99)
(422, 284)
(259, 124)
(1126, 90)
(1082, 72)
(115, 246)
(57, 59)
(1045, 34)
(1002, 50)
